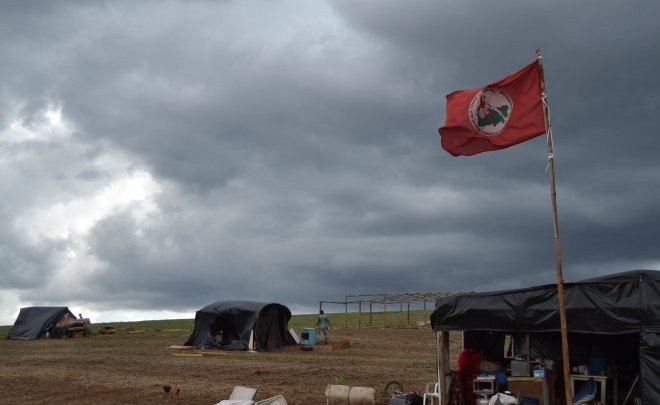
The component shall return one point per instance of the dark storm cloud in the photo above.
(600, 63)
(296, 147)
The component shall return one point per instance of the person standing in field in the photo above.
(324, 326)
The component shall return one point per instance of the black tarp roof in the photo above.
(616, 304)
(624, 303)
(33, 321)
(240, 318)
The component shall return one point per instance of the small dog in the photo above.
(174, 393)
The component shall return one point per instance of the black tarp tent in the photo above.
(35, 322)
(619, 312)
(229, 324)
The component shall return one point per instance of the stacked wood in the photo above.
(341, 345)
(106, 330)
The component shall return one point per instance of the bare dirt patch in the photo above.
(133, 368)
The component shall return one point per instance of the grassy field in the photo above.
(131, 368)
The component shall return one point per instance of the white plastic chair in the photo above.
(276, 400)
(240, 396)
(432, 394)
(245, 393)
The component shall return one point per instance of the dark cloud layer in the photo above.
(288, 150)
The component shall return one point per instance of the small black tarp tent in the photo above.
(621, 311)
(229, 324)
(35, 322)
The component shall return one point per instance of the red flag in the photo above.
(499, 115)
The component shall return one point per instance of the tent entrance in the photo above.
(271, 332)
(225, 334)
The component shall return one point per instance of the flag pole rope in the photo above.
(548, 132)
(544, 99)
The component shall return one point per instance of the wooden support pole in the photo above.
(408, 321)
(555, 224)
(346, 312)
(439, 363)
(370, 313)
(359, 314)
(443, 364)
(528, 353)
(424, 313)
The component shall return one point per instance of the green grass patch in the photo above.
(339, 320)
(163, 324)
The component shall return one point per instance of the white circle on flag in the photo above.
(490, 110)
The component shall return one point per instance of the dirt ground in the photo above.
(133, 368)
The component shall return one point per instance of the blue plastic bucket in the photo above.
(308, 336)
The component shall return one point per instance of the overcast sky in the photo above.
(156, 156)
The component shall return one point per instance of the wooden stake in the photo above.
(555, 223)
(370, 313)
(408, 320)
(359, 314)
(346, 312)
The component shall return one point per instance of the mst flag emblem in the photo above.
(483, 119)
(490, 110)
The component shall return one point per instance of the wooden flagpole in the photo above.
(555, 223)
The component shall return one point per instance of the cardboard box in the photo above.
(519, 368)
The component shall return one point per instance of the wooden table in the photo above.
(542, 388)
(602, 382)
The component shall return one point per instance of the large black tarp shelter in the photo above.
(619, 312)
(229, 324)
(35, 322)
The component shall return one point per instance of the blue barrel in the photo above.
(308, 336)
(598, 363)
